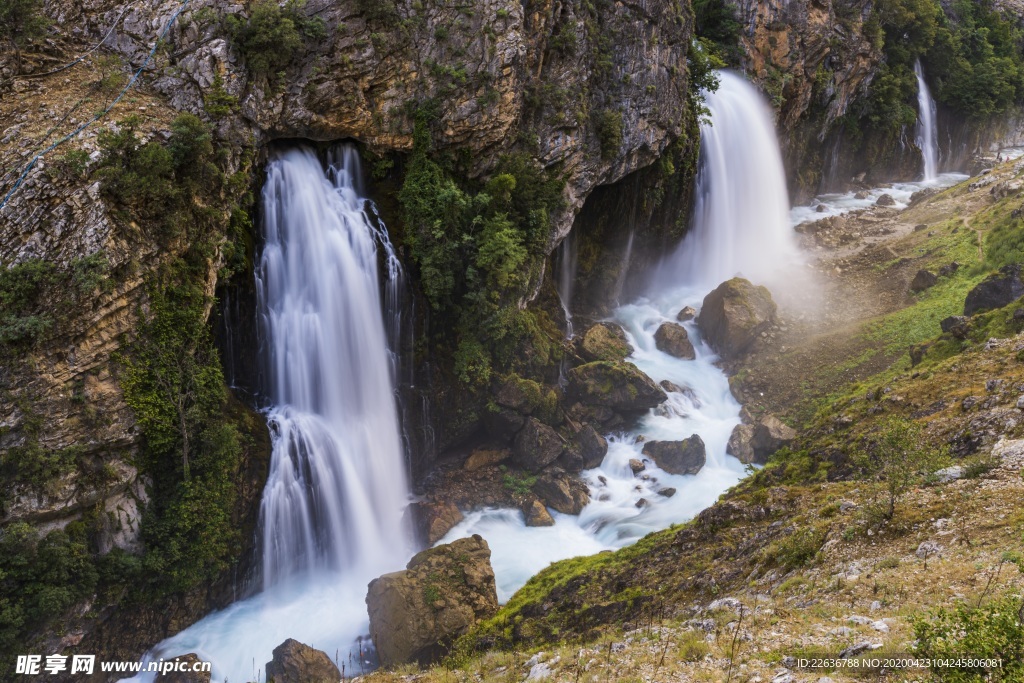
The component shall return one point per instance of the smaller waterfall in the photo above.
(741, 223)
(927, 131)
(567, 263)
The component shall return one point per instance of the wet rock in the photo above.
(433, 519)
(641, 503)
(672, 339)
(571, 459)
(502, 423)
(995, 291)
(604, 341)
(189, 676)
(593, 446)
(688, 313)
(481, 458)
(667, 492)
(923, 280)
(536, 446)
(295, 662)
(734, 315)
(885, 200)
(671, 387)
(416, 613)
(562, 492)
(636, 466)
(678, 457)
(536, 514)
(860, 194)
(619, 386)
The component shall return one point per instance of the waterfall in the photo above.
(741, 222)
(927, 131)
(331, 518)
(336, 485)
(567, 263)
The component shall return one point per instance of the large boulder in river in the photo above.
(604, 341)
(619, 386)
(433, 519)
(295, 662)
(678, 457)
(187, 662)
(417, 613)
(671, 338)
(593, 446)
(562, 492)
(755, 443)
(734, 314)
(995, 291)
(536, 446)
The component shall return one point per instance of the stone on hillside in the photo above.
(948, 474)
(949, 269)
(734, 315)
(482, 457)
(923, 280)
(433, 519)
(956, 325)
(605, 341)
(189, 676)
(995, 291)
(416, 614)
(688, 313)
(536, 514)
(619, 386)
(770, 434)
(885, 200)
(593, 445)
(739, 443)
(295, 662)
(562, 492)
(672, 339)
(678, 457)
(536, 446)
(928, 549)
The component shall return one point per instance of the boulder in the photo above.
(671, 338)
(417, 613)
(739, 443)
(518, 394)
(949, 269)
(593, 446)
(619, 386)
(571, 459)
(734, 314)
(995, 291)
(688, 313)
(482, 457)
(604, 341)
(536, 446)
(295, 662)
(536, 514)
(188, 675)
(861, 194)
(671, 387)
(667, 492)
(678, 457)
(433, 519)
(885, 200)
(770, 434)
(957, 325)
(562, 492)
(502, 423)
(636, 466)
(923, 280)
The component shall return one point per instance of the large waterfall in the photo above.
(927, 131)
(331, 515)
(741, 223)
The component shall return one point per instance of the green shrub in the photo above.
(991, 631)
(715, 22)
(800, 548)
(218, 103)
(21, 22)
(271, 36)
(608, 124)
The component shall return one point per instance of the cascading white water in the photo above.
(927, 131)
(741, 222)
(331, 514)
(567, 264)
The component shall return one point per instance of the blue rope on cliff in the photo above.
(102, 113)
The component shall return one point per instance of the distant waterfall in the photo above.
(927, 131)
(567, 265)
(741, 222)
(337, 485)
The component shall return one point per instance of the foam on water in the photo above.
(839, 204)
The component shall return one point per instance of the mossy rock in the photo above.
(605, 341)
(616, 385)
(734, 314)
